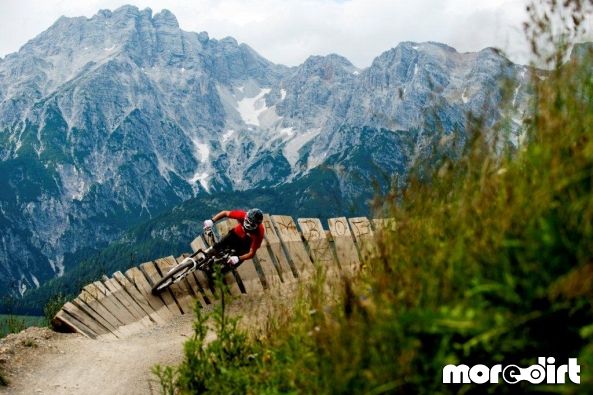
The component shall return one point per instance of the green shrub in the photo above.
(12, 324)
(52, 307)
(29, 343)
(216, 365)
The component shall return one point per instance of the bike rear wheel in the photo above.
(174, 275)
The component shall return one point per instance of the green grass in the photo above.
(15, 323)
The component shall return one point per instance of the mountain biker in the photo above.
(245, 238)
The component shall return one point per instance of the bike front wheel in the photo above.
(174, 275)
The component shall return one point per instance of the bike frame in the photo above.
(205, 264)
(209, 238)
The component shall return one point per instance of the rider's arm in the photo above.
(255, 244)
(221, 215)
(247, 256)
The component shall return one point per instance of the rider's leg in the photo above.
(242, 246)
(231, 241)
(226, 242)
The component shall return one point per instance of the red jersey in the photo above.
(256, 237)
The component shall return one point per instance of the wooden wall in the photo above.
(123, 304)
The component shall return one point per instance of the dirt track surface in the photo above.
(39, 361)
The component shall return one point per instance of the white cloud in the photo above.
(288, 31)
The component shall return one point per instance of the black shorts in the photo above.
(233, 241)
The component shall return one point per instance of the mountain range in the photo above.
(107, 122)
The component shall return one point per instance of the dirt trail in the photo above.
(39, 361)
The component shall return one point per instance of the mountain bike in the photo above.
(197, 261)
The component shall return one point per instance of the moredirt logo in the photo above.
(544, 371)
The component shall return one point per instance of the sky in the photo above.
(289, 31)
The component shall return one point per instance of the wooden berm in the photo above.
(123, 304)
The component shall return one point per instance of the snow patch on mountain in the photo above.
(22, 286)
(250, 108)
(287, 131)
(202, 178)
(57, 265)
(164, 167)
(203, 152)
(227, 135)
(292, 147)
(464, 97)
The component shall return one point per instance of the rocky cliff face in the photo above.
(106, 121)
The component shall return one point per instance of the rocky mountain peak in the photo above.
(331, 59)
(106, 121)
(327, 67)
(165, 18)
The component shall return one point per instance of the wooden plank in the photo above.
(293, 244)
(137, 278)
(248, 273)
(364, 236)
(129, 302)
(90, 300)
(269, 271)
(96, 306)
(344, 244)
(203, 293)
(75, 325)
(319, 246)
(195, 244)
(224, 226)
(82, 311)
(95, 328)
(194, 287)
(180, 290)
(203, 281)
(118, 292)
(276, 251)
(206, 286)
(87, 308)
(98, 291)
(153, 276)
(110, 301)
(137, 297)
(361, 228)
(314, 234)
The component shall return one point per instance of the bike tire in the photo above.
(174, 275)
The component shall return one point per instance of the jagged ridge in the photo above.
(107, 121)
